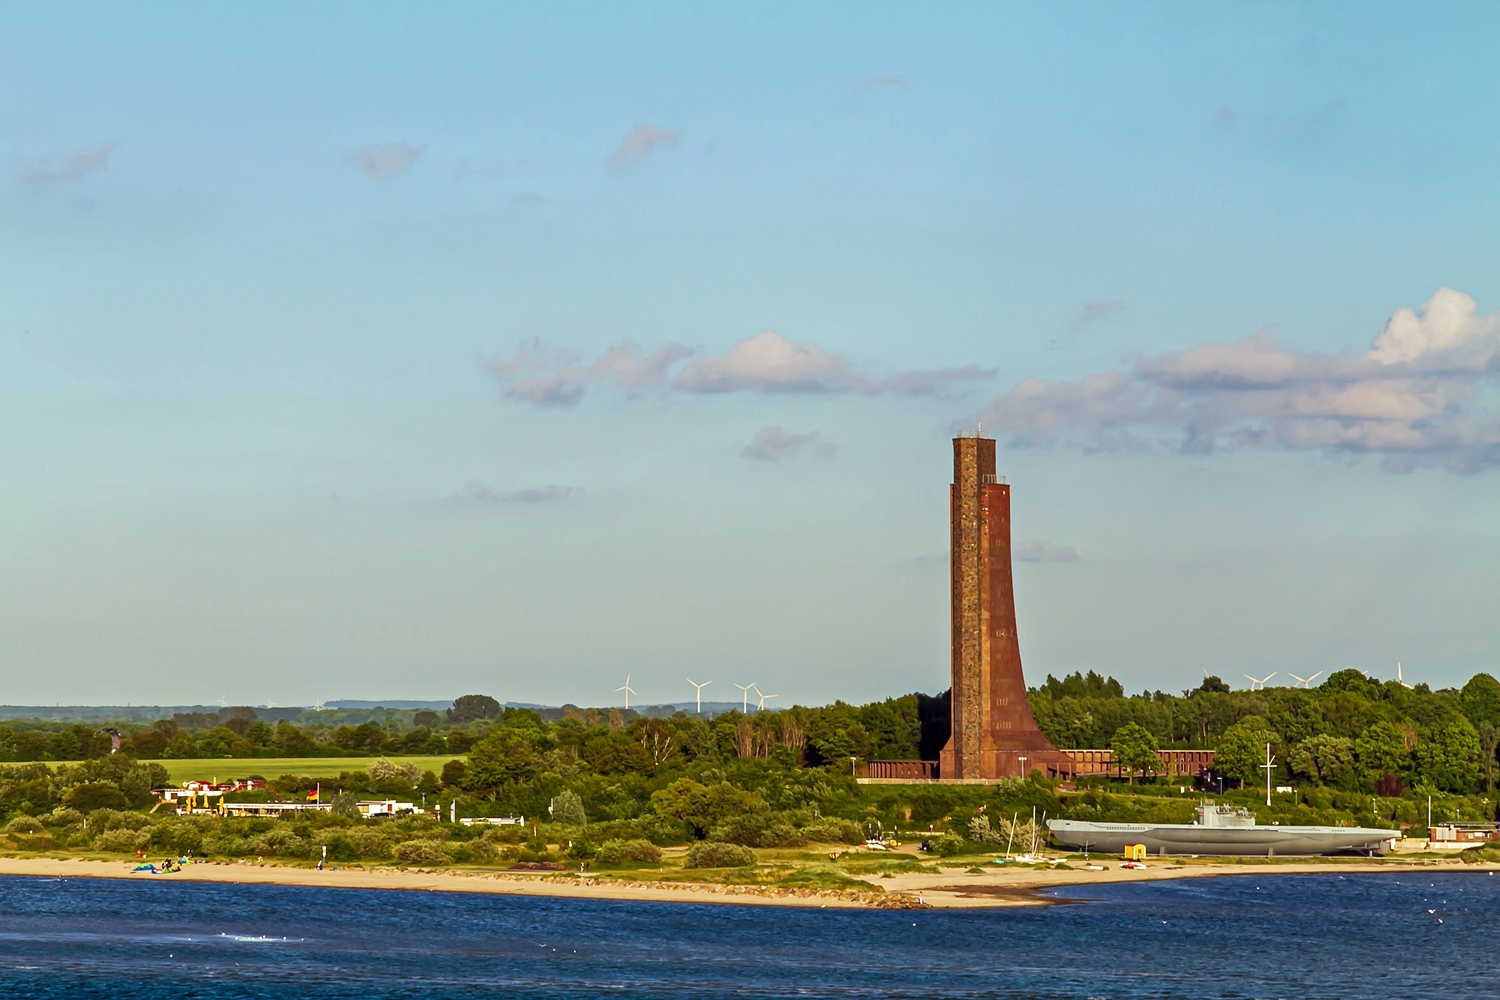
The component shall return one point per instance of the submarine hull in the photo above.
(1191, 838)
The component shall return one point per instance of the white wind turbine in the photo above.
(763, 699)
(628, 691)
(1259, 682)
(222, 702)
(1303, 682)
(698, 692)
(1399, 679)
(745, 695)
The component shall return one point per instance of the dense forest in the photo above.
(1350, 732)
(599, 781)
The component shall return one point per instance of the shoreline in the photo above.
(956, 889)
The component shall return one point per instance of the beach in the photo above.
(956, 888)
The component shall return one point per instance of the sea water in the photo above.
(1389, 935)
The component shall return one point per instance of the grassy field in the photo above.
(223, 768)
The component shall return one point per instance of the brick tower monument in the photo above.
(992, 724)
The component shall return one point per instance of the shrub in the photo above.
(948, 845)
(282, 843)
(116, 819)
(123, 841)
(421, 852)
(24, 824)
(717, 854)
(62, 816)
(614, 852)
(834, 831)
(371, 844)
(340, 847)
(92, 795)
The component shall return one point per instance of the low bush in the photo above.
(948, 846)
(614, 852)
(834, 831)
(421, 852)
(121, 841)
(24, 824)
(717, 854)
(63, 816)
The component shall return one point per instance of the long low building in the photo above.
(1072, 764)
(273, 808)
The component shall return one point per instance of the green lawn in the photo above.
(222, 768)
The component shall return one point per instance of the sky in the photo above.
(407, 351)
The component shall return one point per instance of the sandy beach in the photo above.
(950, 889)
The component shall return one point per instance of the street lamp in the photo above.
(1023, 768)
(852, 773)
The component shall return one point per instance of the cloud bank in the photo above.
(74, 168)
(764, 363)
(1093, 312)
(642, 141)
(1422, 395)
(384, 161)
(878, 81)
(475, 490)
(1040, 551)
(772, 444)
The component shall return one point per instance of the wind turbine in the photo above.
(1303, 682)
(1399, 680)
(628, 691)
(1258, 682)
(745, 692)
(698, 691)
(222, 702)
(763, 699)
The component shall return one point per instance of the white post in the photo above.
(1268, 766)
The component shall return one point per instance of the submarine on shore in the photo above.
(1222, 830)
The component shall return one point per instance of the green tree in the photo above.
(1134, 747)
(1381, 749)
(1325, 759)
(345, 804)
(1242, 749)
(1489, 737)
(1449, 757)
(567, 809)
(1481, 699)
(473, 708)
(499, 759)
(701, 806)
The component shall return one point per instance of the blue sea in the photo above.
(1396, 935)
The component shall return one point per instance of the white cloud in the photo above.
(641, 143)
(772, 444)
(74, 168)
(384, 161)
(476, 490)
(1040, 551)
(1093, 312)
(768, 362)
(546, 377)
(880, 81)
(1416, 397)
(765, 363)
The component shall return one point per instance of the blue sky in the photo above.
(391, 351)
